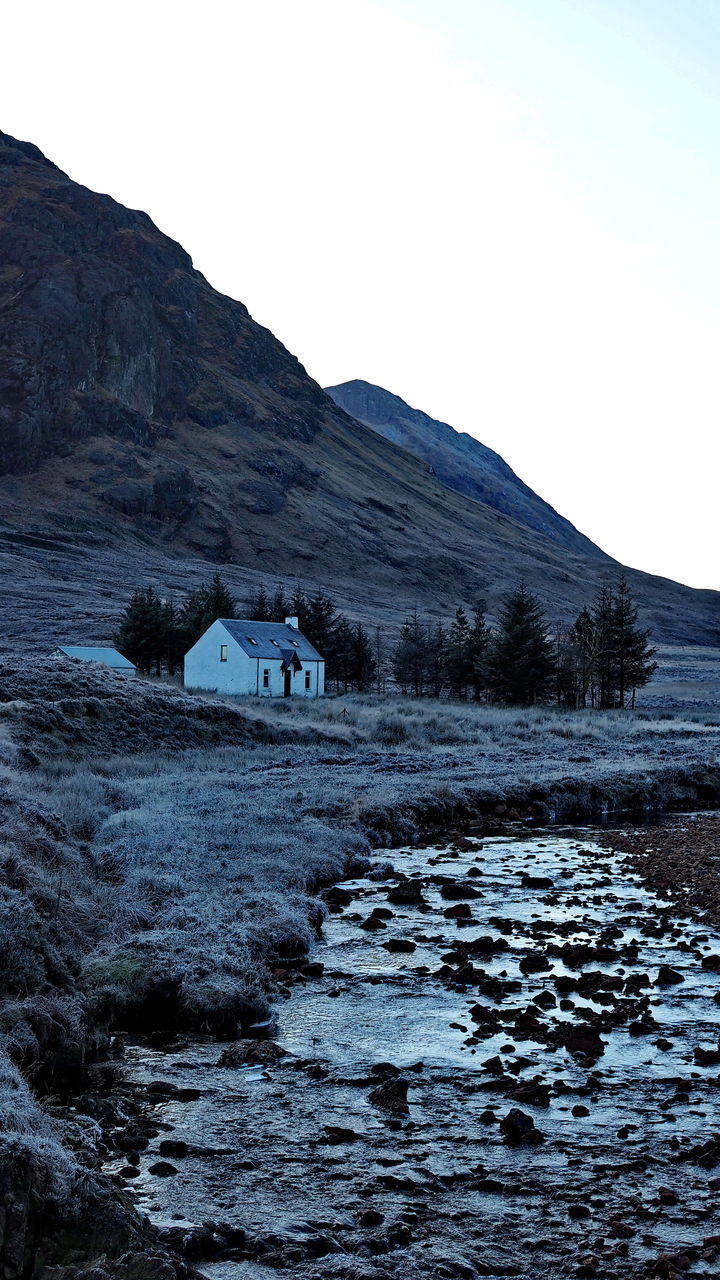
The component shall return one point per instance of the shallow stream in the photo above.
(539, 994)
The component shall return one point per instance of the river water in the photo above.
(542, 998)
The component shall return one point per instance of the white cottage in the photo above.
(270, 659)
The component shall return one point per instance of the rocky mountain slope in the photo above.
(458, 460)
(149, 429)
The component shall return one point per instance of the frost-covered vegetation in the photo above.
(420, 723)
(160, 852)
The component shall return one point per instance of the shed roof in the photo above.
(269, 639)
(96, 653)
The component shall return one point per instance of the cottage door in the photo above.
(286, 691)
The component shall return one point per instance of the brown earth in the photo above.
(679, 860)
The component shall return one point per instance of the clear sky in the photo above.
(505, 211)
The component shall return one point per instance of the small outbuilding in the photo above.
(106, 656)
(269, 659)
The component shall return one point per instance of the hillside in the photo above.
(459, 461)
(150, 429)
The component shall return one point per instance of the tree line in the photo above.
(598, 661)
(351, 657)
(156, 633)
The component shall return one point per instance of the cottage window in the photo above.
(276, 643)
(223, 652)
(296, 643)
(251, 640)
(266, 679)
(307, 679)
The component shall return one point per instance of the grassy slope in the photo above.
(153, 425)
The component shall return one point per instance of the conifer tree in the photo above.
(343, 654)
(459, 661)
(409, 659)
(299, 608)
(583, 646)
(363, 663)
(172, 637)
(320, 626)
(633, 654)
(480, 639)
(436, 643)
(140, 635)
(260, 606)
(220, 602)
(191, 618)
(279, 606)
(521, 657)
(604, 663)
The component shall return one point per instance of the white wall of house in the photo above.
(219, 664)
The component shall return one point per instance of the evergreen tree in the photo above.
(363, 663)
(260, 606)
(172, 637)
(583, 647)
(409, 658)
(220, 603)
(566, 678)
(343, 664)
(604, 664)
(459, 662)
(191, 618)
(479, 652)
(280, 607)
(633, 655)
(299, 608)
(436, 643)
(521, 658)
(320, 625)
(140, 635)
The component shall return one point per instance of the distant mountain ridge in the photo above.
(150, 430)
(458, 460)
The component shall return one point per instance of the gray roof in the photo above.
(272, 639)
(94, 653)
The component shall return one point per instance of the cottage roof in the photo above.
(97, 653)
(270, 639)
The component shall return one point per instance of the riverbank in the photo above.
(679, 860)
(166, 889)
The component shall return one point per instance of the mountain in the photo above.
(150, 430)
(459, 461)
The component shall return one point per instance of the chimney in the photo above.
(292, 622)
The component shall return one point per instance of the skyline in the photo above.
(507, 221)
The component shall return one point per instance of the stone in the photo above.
(668, 976)
(391, 1096)
(455, 891)
(406, 893)
(585, 1040)
(336, 1134)
(372, 924)
(251, 1053)
(578, 1211)
(518, 1129)
(174, 1147)
(162, 1169)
